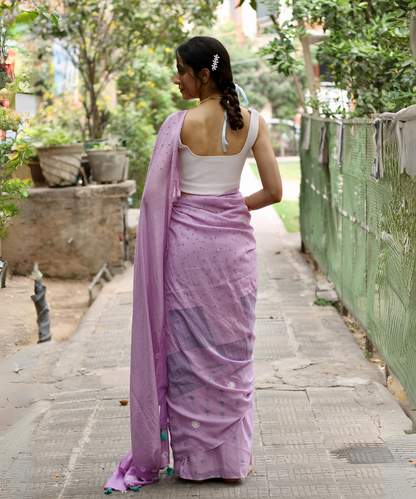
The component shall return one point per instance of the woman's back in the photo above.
(202, 131)
(209, 170)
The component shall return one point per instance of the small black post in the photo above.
(3, 273)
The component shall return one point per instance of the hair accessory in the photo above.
(215, 62)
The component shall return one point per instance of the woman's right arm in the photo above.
(268, 169)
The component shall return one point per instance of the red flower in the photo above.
(1, 134)
(6, 103)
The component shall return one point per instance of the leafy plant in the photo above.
(46, 136)
(132, 125)
(15, 149)
(10, 120)
(22, 84)
(366, 48)
(13, 153)
(147, 84)
(321, 302)
(24, 12)
(11, 190)
(62, 112)
(107, 144)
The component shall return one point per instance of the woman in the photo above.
(196, 283)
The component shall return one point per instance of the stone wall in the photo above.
(70, 231)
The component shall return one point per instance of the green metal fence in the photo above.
(362, 232)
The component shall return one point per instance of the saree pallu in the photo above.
(210, 287)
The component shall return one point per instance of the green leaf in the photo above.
(54, 20)
(26, 17)
(47, 15)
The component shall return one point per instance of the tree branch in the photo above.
(294, 75)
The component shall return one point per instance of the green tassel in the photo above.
(163, 436)
(135, 489)
(170, 471)
(108, 491)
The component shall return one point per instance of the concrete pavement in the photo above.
(325, 425)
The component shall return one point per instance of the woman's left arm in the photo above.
(268, 169)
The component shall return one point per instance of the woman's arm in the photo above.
(269, 171)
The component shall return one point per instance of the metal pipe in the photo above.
(103, 270)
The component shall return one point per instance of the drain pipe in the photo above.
(42, 309)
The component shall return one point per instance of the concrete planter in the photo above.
(108, 165)
(27, 103)
(60, 164)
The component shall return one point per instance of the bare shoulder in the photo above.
(263, 127)
(246, 115)
(193, 114)
(263, 135)
(195, 117)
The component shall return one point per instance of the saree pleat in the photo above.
(210, 293)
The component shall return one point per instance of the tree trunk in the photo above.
(310, 73)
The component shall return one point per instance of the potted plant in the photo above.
(109, 162)
(60, 157)
(35, 169)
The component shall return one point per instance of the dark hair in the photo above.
(198, 53)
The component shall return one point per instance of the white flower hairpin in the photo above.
(215, 62)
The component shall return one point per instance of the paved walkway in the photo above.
(325, 425)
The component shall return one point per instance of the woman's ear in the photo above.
(204, 75)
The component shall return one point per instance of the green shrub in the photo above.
(129, 124)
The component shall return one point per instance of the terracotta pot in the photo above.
(36, 174)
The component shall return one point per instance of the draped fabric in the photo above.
(210, 295)
(195, 284)
(148, 379)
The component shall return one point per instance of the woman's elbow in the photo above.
(276, 194)
(278, 197)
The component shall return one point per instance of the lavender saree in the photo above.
(195, 282)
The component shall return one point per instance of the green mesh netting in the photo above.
(362, 232)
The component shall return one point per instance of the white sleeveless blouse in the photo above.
(214, 175)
